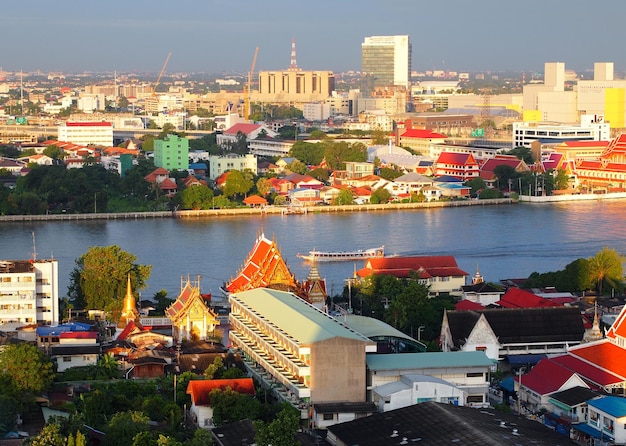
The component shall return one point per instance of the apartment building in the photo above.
(29, 292)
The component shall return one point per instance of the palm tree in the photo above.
(606, 266)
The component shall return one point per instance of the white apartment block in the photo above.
(590, 129)
(220, 164)
(87, 133)
(29, 292)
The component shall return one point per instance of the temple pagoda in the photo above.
(192, 318)
(264, 268)
(129, 310)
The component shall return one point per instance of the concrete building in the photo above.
(302, 354)
(86, 133)
(295, 85)
(386, 62)
(171, 153)
(220, 164)
(525, 133)
(29, 292)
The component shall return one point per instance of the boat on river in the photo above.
(339, 256)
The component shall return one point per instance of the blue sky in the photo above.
(219, 35)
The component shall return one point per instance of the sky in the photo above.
(219, 36)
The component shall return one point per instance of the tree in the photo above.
(100, 277)
(229, 406)
(263, 186)
(54, 152)
(380, 195)
(345, 196)
(477, 184)
(196, 197)
(522, 153)
(297, 166)
(28, 369)
(561, 180)
(505, 174)
(281, 431)
(310, 154)
(50, 435)
(320, 174)
(124, 426)
(606, 268)
(389, 174)
(238, 182)
(380, 137)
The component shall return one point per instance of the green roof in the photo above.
(295, 317)
(429, 360)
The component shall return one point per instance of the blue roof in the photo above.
(197, 166)
(56, 330)
(612, 405)
(589, 430)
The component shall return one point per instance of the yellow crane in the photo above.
(246, 108)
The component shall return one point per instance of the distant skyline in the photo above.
(217, 36)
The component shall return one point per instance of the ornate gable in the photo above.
(264, 267)
(482, 333)
(191, 317)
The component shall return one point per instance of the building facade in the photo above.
(220, 164)
(386, 61)
(171, 153)
(29, 292)
(87, 133)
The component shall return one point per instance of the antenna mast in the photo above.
(293, 65)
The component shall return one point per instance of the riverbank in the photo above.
(269, 210)
(572, 197)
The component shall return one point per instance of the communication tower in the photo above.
(293, 65)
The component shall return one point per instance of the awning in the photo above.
(524, 359)
(589, 430)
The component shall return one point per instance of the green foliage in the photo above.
(337, 153)
(379, 196)
(281, 431)
(297, 166)
(50, 435)
(215, 370)
(28, 370)
(310, 154)
(238, 183)
(487, 194)
(100, 277)
(54, 152)
(389, 174)
(8, 414)
(476, 184)
(201, 437)
(229, 406)
(320, 173)
(124, 426)
(380, 137)
(561, 180)
(606, 270)
(263, 186)
(196, 197)
(505, 174)
(344, 197)
(522, 153)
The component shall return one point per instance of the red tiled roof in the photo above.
(442, 266)
(456, 158)
(246, 129)
(589, 372)
(585, 143)
(466, 305)
(517, 298)
(79, 335)
(605, 355)
(88, 124)
(546, 377)
(200, 389)
(167, 184)
(420, 133)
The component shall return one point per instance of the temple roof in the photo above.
(263, 267)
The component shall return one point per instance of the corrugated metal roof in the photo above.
(613, 405)
(295, 317)
(429, 360)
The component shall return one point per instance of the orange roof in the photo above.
(423, 134)
(456, 158)
(605, 355)
(254, 199)
(427, 266)
(260, 266)
(200, 389)
(246, 129)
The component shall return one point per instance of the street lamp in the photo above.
(419, 332)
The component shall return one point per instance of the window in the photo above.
(474, 375)
(593, 417)
(67, 359)
(328, 417)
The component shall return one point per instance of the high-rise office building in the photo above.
(386, 62)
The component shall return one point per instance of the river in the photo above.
(504, 241)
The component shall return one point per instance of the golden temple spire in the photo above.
(129, 311)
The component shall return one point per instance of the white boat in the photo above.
(339, 256)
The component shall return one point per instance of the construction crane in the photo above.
(246, 108)
(167, 59)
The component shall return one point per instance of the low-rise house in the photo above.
(440, 273)
(200, 392)
(606, 422)
(508, 334)
(567, 407)
(546, 378)
(414, 182)
(487, 170)
(75, 349)
(304, 197)
(328, 414)
(482, 293)
(467, 371)
(415, 389)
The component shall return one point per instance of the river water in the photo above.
(503, 241)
